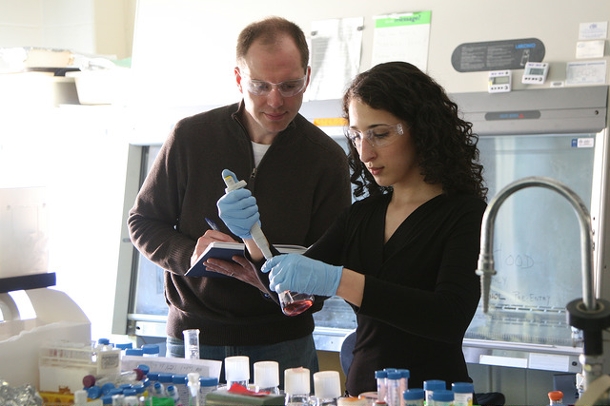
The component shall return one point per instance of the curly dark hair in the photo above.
(445, 145)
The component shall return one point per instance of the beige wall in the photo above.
(190, 24)
(103, 27)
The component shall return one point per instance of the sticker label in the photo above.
(583, 142)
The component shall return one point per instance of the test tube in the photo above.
(191, 343)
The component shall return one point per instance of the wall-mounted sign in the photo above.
(497, 55)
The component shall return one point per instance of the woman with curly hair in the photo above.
(404, 255)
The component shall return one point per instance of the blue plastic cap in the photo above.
(144, 368)
(462, 387)
(107, 387)
(394, 375)
(94, 392)
(150, 349)
(153, 376)
(103, 341)
(405, 373)
(381, 374)
(130, 392)
(139, 388)
(123, 346)
(180, 379)
(434, 384)
(414, 394)
(442, 395)
(114, 391)
(106, 400)
(165, 378)
(138, 352)
(208, 381)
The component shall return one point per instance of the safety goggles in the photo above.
(288, 88)
(377, 137)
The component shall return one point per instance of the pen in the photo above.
(212, 225)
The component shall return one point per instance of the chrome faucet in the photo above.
(589, 314)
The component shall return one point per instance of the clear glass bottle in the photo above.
(267, 377)
(327, 388)
(237, 370)
(297, 386)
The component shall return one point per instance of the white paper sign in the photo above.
(402, 37)
(593, 30)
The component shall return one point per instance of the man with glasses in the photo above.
(298, 175)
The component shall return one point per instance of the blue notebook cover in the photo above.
(226, 251)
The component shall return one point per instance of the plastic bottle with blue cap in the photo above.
(381, 376)
(207, 384)
(414, 397)
(430, 386)
(150, 350)
(464, 392)
(172, 392)
(180, 381)
(405, 374)
(442, 397)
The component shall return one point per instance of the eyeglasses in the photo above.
(379, 136)
(288, 88)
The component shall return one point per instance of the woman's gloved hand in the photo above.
(299, 273)
(238, 210)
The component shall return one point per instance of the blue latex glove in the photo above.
(299, 273)
(238, 210)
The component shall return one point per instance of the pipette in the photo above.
(257, 233)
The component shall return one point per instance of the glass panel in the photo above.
(536, 237)
(148, 293)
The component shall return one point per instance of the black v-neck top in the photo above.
(421, 291)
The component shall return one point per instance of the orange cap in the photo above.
(556, 395)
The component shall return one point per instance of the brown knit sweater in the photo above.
(301, 185)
